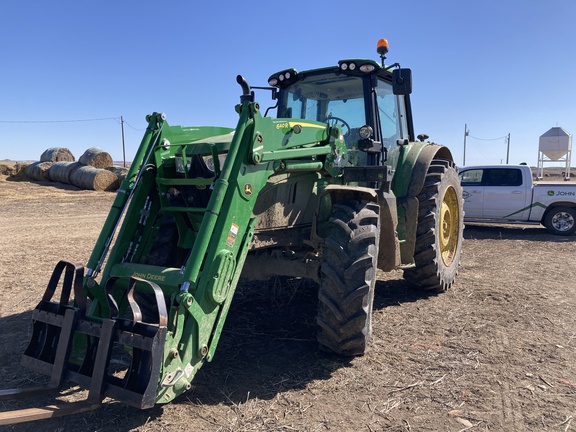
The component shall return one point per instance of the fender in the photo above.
(334, 193)
(388, 248)
(408, 181)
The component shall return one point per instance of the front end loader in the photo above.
(333, 189)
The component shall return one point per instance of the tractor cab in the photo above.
(367, 100)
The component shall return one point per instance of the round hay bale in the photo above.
(20, 171)
(96, 158)
(57, 154)
(38, 171)
(87, 177)
(7, 170)
(120, 172)
(60, 171)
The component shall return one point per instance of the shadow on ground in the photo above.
(268, 346)
(536, 233)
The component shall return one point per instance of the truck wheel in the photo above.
(348, 275)
(561, 220)
(439, 232)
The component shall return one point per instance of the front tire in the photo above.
(348, 276)
(440, 228)
(561, 220)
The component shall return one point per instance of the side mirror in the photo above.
(402, 81)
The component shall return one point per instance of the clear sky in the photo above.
(70, 69)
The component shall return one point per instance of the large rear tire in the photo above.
(348, 276)
(439, 232)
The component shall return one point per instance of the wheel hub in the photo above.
(563, 221)
(449, 222)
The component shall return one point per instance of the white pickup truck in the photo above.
(506, 193)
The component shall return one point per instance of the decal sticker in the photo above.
(560, 193)
(248, 189)
(149, 276)
(232, 235)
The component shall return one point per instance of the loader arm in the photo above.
(193, 190)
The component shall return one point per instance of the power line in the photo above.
(132, 127)
(488, 139)
(60, 121)
(116, 119)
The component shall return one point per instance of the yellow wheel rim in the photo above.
(449, 223)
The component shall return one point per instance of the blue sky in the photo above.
(501, 67)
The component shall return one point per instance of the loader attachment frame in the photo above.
(105, 340)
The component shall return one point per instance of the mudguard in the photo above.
(413, 163)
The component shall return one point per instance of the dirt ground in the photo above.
(495, 353)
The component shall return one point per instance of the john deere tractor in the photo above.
(334, 189)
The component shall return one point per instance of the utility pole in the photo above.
(123, 145)
(466, 131)
(507, 149)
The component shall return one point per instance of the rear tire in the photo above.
(439, 232)
(348, 276)
(561, 220)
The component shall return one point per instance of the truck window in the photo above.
(502, 177)
(471, 177)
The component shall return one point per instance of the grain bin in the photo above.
(554, 146)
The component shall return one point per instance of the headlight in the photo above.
(367, 68)
(365, 132)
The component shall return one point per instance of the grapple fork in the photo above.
(69, 345)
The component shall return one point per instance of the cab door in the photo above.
(472, 192)
(504, 194)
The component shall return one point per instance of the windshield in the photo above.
(326, 98)
(340, 100)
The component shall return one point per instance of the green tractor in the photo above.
(333, 189)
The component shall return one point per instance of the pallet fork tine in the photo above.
(47, 412)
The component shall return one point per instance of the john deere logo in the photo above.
(247, 189)
(561, 193)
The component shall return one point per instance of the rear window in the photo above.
(491, 177)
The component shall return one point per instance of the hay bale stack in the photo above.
(57, 154)
(88, 177)
(61, 171)
(38, 171)
(96, 157)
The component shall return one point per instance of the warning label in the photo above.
(232, 235)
